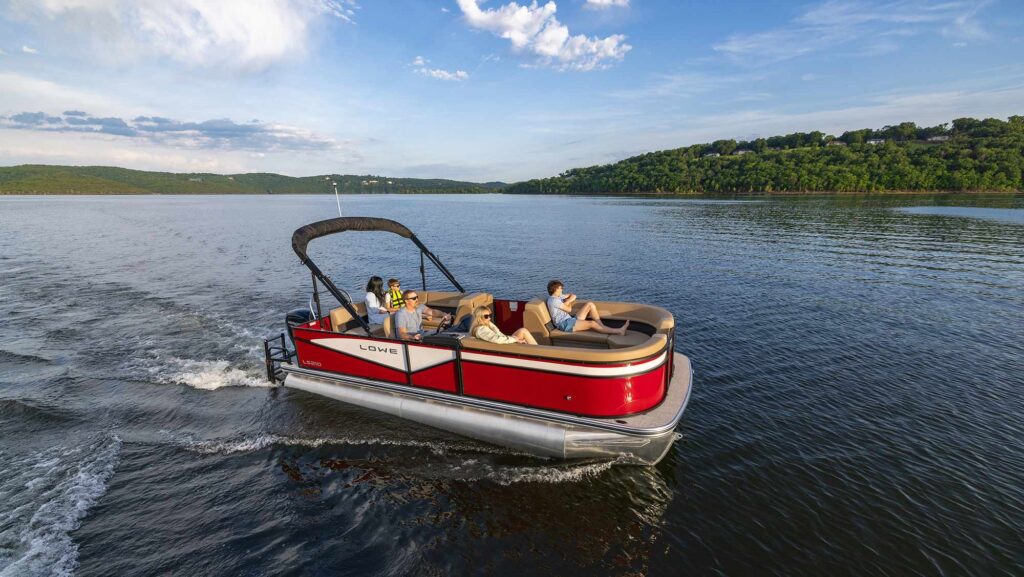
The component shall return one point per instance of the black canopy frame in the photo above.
(302, 237)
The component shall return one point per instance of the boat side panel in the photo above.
(380, 359)
(325, 359)
(598, 397)
(440, 377)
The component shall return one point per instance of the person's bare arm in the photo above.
(433, 312)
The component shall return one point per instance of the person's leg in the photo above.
(525, 335)
(589, 311)
(599, 327)
(594, 326)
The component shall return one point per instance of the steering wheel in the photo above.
(445, 324)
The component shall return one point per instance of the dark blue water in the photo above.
(857, 407)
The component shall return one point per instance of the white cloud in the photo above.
(600, 4)
(239, 34)
(440, 74)
(28, 50)
(838, 22)
(535, 29)
(420, 64)
(218, 133)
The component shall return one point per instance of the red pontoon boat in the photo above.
(573, 395)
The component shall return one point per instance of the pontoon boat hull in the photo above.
(642, 439)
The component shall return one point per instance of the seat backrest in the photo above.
(468, 304)
(389, 326)
(537, 320)
(340, 317)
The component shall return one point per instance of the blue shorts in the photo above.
(567, 325)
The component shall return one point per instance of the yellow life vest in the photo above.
(396, 298)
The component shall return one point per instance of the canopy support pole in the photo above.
(337, 294)
(423, 272)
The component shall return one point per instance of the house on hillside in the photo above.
(939, 138)
(836, 143)
(195, 179)
(876, 141)
(711, 155)
(742, 151)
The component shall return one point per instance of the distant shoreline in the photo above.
(607, 194)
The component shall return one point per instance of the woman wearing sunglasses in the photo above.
(483, 329)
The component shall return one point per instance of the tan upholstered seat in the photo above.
(389, 327)
(340, 317)
(538, 321)
(630, 339)
(468, 304)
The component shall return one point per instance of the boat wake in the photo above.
(205, 375)
(43, 497)
(260, 442)
(485, 462)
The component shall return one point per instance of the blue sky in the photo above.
(478, 90)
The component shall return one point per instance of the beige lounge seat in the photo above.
(469, 303)
(341, 317)
(538, 322)
(462, 303)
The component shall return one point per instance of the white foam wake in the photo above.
(474, 469)
(43, 497)
(562, 473)
(206, 375)
(260, 442)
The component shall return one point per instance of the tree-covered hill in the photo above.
(965, 155)
(44, 179)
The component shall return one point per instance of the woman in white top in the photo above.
(376, 307)
(483, 329)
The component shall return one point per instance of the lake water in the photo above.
(857, 408)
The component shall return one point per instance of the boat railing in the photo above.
(275, 352)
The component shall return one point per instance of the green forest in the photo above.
(963, 155)
(44, 179)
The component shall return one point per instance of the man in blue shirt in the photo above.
(560, 309)
(409, 319)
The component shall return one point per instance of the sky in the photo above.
(479, 90)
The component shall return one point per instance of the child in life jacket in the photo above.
(394, 296)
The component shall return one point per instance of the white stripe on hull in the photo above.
(566, 369)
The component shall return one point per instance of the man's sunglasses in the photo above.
(412, 298)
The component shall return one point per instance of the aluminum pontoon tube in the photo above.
(559, 438)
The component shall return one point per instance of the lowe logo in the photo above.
(376, 349)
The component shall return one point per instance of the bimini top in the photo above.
(302, 236)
